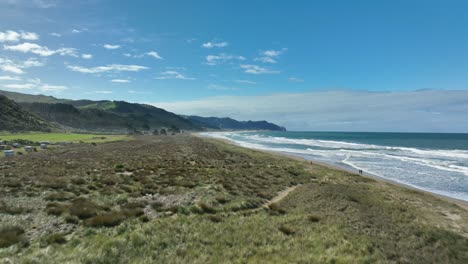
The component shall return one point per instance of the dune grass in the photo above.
(183, 199)
(59, 137)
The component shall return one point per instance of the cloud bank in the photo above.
(425, 110)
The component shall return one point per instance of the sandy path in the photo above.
(280, 196)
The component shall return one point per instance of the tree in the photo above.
(163, 132)
(175, 129)
(155, 132)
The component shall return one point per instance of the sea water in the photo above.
(434, 162)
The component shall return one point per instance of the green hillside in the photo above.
(14, 118)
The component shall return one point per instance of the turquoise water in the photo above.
(433, 162)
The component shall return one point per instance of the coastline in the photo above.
(461, 203)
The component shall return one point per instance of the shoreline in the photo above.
(461, 203)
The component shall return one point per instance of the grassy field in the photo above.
(182, 199)
(59, 137)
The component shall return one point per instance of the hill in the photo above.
(227, 123)
(31, 98)
(108, 115)
(14, 118)
(105, 115)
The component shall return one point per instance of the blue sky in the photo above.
(177, 53)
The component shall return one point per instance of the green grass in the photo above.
(103, 106)
(58, 137)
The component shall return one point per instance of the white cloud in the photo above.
(295, 79)
(245, 81)
(9, 78)
(13, 36)
(38, 85)
(107, 68)
(110, 46)
(120, 81)
(87, 56)
(217, 87)
(45, 3)
(41, 50)
(270, 56)
(8, 65)
(154, 54)
(210, 45)
(137, 92)
(29, 36)
(76, 31)
(20, 86)
(12, 68)
(255, 69)
(53, 34)
(223, 57)
(32, 3)
(102, 92)
(173, 75)
(52, 88)
(427, 110)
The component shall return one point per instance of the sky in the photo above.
(335, 65)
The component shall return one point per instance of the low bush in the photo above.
(276, 208)
(207, 208)
(56, 239)
(83, 208)
(12, 210)
(71, 219)
(59, 196)
(10, 235)
(108, 220)
(287, 230)
(215, 218)
(313, 218)
(56, 208)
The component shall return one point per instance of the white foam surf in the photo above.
(440, 171)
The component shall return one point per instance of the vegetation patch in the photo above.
(106, 220)
(83, 208)
(10, 235)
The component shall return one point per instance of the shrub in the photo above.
(13, 210)
(276, 208)
(59, 196)
(56, 239)
(56, 208)
(10, 235)
(287, 230)
(313, 218)
(71, 219)
(107, 220)
(78, 181)
(83, 208)
(215, 218)
(222, 199)
(207, 208)
(158, 206)
(144, 218)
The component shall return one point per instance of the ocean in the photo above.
(434, 162)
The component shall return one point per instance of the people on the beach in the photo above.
(360, 171)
